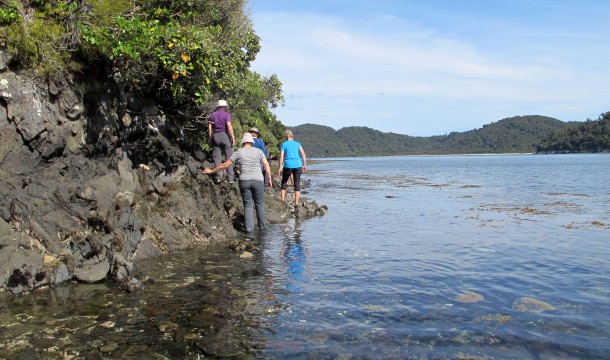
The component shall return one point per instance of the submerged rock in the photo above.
(530, 305)
(469, 297)
(167, 326)
(108, 348)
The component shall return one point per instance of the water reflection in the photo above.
(293, 255)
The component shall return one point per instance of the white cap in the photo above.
(222, 103)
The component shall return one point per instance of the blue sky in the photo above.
(425, 68)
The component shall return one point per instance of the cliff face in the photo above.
(91, 181)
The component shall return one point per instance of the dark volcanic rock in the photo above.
(87, 188)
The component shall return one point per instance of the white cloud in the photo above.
(346, 71)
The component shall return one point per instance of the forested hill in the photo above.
(589, 136)
(519, 134)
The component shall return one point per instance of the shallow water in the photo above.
(380, 275)
(479, 257)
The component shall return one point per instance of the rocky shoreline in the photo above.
(91, 181)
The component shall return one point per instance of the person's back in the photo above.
(220, 132)
(219, 119)
(292, 158)
(249, 161)
(293, 162)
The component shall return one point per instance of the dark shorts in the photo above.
(286, 172)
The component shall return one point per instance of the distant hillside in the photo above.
(519, 134)
(589, 136)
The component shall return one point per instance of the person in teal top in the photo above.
(293, 162)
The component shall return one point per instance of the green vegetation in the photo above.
(185, 54)
(589, 136)
(9, 14)
(520, 134)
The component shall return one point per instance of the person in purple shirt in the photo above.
(220, 132)
(293, 162)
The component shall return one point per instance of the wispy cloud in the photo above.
(341, 72)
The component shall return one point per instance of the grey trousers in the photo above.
(253, 195)
(222, 145)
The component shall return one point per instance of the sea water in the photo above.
(418, 257)
(503, 256)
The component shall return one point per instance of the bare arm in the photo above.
(304, 157)
(218, 168)
(210, 131)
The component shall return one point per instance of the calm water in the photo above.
(445, 257)
(379, 275)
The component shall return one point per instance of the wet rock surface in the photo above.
(90, 183)
(195, 304)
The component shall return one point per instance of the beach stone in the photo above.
(221, 345)
(167, 326)
(132, 285)
(109, 347)
(530, 305)
(469, 297)
(91, 273)
(246, 255)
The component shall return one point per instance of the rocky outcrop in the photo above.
(91, 180)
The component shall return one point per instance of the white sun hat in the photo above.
(247, 138)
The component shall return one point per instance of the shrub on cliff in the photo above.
(186, 54)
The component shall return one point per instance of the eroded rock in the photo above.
(75, 200)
